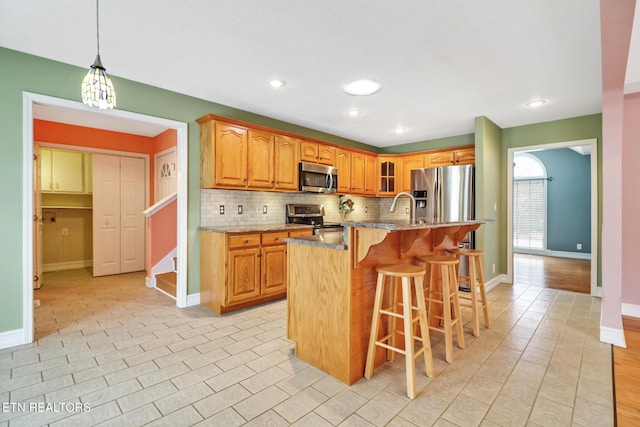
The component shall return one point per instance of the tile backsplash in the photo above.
(253, 205)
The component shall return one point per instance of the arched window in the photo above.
(529, 203)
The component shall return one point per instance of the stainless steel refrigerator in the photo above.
(445, 194)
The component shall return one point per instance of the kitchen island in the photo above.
(332, 283)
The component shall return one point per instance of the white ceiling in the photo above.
(442, 63)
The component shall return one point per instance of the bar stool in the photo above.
(446, 296)
(475, 277)
(401, 310)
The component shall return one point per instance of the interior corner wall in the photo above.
(631, 201)
(489, 199)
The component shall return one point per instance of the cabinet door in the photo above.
(327, 155)
(308, 152)
(274, 269)
(244, 275)
(343, 162)
(357, 173)
(231, 155)
(441, 159)
(286, 163)
(67, 174)
(370, 175)
(46, 185)
(260, 172)
(466, 156)
(388, 175)
(409, 163)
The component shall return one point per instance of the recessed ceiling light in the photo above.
(362, 87)
(400, 130)
(354, 112)
(536, 103)
(277, 83)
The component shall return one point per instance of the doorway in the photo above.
(126, 120)
(591, 145)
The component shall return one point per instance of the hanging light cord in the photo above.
(98, 25)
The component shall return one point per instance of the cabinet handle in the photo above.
(276, 239)
(258, 254)
(246, 241)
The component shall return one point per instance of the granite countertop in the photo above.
(334, 240)
(254, 228)
(405, 225)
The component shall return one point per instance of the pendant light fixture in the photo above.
(97, 89)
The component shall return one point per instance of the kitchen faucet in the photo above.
(413, 207)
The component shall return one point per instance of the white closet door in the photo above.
(106, 215)
(132, 188)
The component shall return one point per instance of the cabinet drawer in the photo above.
(244, 241)
(274, 238)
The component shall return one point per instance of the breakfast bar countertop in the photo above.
(251, 228)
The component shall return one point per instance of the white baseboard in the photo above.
(501, 278)
(557, 254)
(70, 265)
(150, 282)
(630, 310)
(613, 336)
(12, 338)
(193, 299)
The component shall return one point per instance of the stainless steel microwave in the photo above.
(318, 178)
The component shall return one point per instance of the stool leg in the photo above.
(391, 355)
(475, 314)
(375, 320)
(424, 327)
(446, 314)
(483, 294)
(409, 350)
(456, 307)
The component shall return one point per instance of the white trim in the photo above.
(556, 254)
(501, 278)
(12, 338)
(193, 299)
(631, 310)
(159, 205)
(595, 290)
(164, 292)
(28, 99)
(150, 282)
(69, 265)
(613, 336)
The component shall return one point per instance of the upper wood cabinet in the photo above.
(233, 156)
(343, 163)
(370, 177)
(388, 175)
(317, 153)
(357, 173)
(409, 163)
(286, 163)
(465, 156)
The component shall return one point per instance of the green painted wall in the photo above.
(433, 144)
(489, 199)
(20, 73)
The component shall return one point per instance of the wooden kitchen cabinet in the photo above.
(409, 163)
(357, 173)
(388, 175)
(63, 171)
(286, 163)
(260, 162)
(343, 163)
(239, 270)
(465, 156)
(370, 177)
(317, 153)
(223, 155)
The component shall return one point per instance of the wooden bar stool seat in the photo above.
(475, 283)
(406, 311)
(445, 296)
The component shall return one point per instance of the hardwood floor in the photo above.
(552, 272)
(626, 366)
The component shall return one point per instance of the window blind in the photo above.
(529, 214)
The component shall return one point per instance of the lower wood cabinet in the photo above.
(238, 270)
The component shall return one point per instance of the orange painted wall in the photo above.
(165, 140)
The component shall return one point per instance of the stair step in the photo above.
(167, 282)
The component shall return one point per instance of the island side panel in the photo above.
(213, 259)
(318, 307)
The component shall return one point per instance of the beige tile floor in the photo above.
(126, 356)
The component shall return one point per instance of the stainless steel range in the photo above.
(311, 215)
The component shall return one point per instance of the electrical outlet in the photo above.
(65, 231)
(579, 246)
(221, 209)
(239, 209)
(366, 209)
(406, 210)
(493, 268)
(264, 209)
